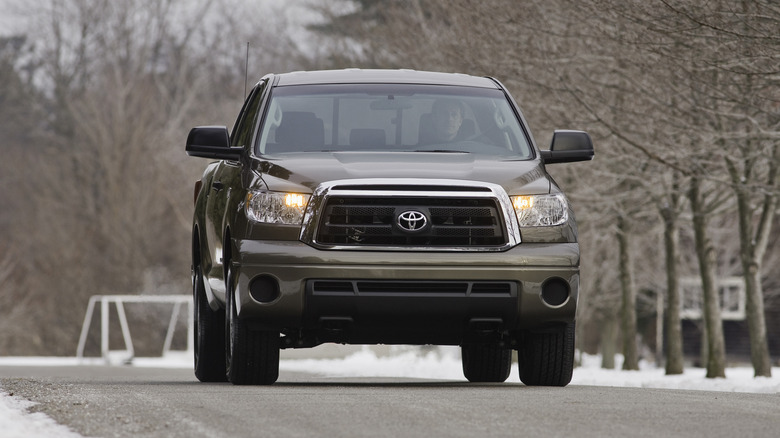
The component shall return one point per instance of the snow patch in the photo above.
(436, 363)
(17, 422)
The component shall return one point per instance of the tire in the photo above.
(209, 334)
(251, 356)
(547, 358)
(486, 363)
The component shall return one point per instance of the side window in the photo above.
(242, 132)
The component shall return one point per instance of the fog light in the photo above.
(264, 289)
(555, 292)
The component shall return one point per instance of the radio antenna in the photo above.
(246, 68)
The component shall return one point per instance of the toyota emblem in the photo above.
(412, 220)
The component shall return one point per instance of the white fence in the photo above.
(119, 301)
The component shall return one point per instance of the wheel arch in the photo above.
(196, 250)
(227, 259)
(197, 262)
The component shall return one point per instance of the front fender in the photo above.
(203, 245)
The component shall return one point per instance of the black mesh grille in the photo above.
(373, 221)
(366, 287)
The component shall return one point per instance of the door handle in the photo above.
(217, 185)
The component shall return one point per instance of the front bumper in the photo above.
(295, 266)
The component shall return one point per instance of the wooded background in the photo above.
(682, 99)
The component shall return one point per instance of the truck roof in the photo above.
(363, 76)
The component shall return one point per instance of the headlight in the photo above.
(541, 210)
(276, 208)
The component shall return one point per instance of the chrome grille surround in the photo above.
(435, 190)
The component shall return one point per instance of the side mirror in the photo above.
(212, 142)
(569, 147)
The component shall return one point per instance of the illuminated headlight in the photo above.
(276, 208)
(541, 210)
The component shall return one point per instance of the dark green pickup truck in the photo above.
(383, 207)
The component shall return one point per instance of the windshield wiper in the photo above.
(446, 151)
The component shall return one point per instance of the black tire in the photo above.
(486, 363)
(251, 356)
(546, 358)
(209, 334)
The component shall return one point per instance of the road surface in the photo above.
(98, 401)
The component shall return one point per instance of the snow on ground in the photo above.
(16, 422)
(442, 363)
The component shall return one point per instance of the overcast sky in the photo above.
(10, 20)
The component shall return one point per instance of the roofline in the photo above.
(382, 76)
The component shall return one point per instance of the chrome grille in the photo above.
(371, 221)
(365, 215)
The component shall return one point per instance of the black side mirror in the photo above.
(212, 142)
(569, 147)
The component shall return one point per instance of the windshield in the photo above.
(376, 117)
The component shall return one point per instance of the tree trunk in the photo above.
(608, 329)
(673, 326)
(713, 325)
(752, 248)
(751, 253)
(628, 310)
(704, 351)
(609, 332)
(759, 348)
(609, 338)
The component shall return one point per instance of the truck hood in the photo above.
(305, 171)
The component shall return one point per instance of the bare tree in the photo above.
(628, 311)
(19, 118)
(731, 66)
(754, 237)
(719, 61)
(715, 360)
(670, 213)
(107, 185)
(753, 167)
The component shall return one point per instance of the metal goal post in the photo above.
(119, 301)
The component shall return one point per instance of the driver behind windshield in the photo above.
(447, 115)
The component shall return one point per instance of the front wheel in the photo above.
(251, 355)
(546, 358)
(486, 363)
(209, 334)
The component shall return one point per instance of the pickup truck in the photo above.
(383, 207)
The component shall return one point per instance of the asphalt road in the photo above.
(135, 402)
